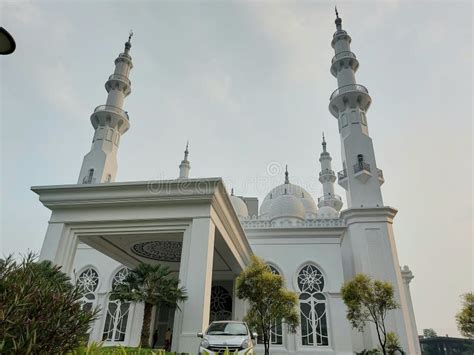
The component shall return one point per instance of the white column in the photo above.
(196, 275)
(59, 246)
(239, 305)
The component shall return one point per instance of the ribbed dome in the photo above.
(239, 206)
(309, 206)
(287, 206)
(327, 212)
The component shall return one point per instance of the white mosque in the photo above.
(99, 228)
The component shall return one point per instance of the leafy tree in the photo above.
(429, 333)
(40, 309)
(269, 300)
(369, 300)
(154, 286)
(465, 317)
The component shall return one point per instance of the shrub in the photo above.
(40, 310)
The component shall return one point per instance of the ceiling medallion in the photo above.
(159, 250)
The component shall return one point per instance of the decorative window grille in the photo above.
(88, 281)
(313, 307)
(117, 313)
(221, 304)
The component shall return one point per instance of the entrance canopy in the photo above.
(188, 224)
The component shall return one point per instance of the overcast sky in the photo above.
(248, 84)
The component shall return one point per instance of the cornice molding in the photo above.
(128, 193)
(369, 214)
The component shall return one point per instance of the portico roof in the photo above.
(97, 213)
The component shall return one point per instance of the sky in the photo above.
(248, 84)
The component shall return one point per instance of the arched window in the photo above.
(117, 313)
(88, 281)
(221, 304)
(314, 330)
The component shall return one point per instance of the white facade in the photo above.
(207, 236)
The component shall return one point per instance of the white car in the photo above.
(231, 335)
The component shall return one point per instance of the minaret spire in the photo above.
(110, 121)
(287, 179)
(338, 20)
(327, 179)
(349, 104)
(185, 165)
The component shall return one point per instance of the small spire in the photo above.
(324, 144)
(128, 44)
(185, 166)
(186, 152)
(287, 180)
(338, 20)
(232, 191)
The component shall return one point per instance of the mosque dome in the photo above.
(239, 206)
(301, 195)
(287, 206)
(327, 212)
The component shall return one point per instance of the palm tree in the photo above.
(154, 286)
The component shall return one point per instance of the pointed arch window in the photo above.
(116, 320)
(313, 307)
(88, 281)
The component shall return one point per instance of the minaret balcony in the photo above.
(342, 178)
(380, 176)
(120, 82)
(333, 201)
(362, 171)
(345, 58)
(112, 116)
(327, 175)
(351, 95)
(113, 109)
(326, 172)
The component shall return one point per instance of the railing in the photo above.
(329, 197)
(361, 166)
(326, 172)
(343, 55)
(342, 174)
(347, 88)
(111, 108)
(120, 77)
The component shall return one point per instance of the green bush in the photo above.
(40, 311)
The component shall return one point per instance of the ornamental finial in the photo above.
(324, 143)
(232, 191)
(287, 180)
(128, 44)
(186, 152)
(338, 20)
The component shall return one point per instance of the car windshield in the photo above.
(227, 329)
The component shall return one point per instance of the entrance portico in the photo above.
(189, 225)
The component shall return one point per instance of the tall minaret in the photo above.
(368, 245)
(327, 178)
(110, 121)
(349, 104)
(185, 166)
